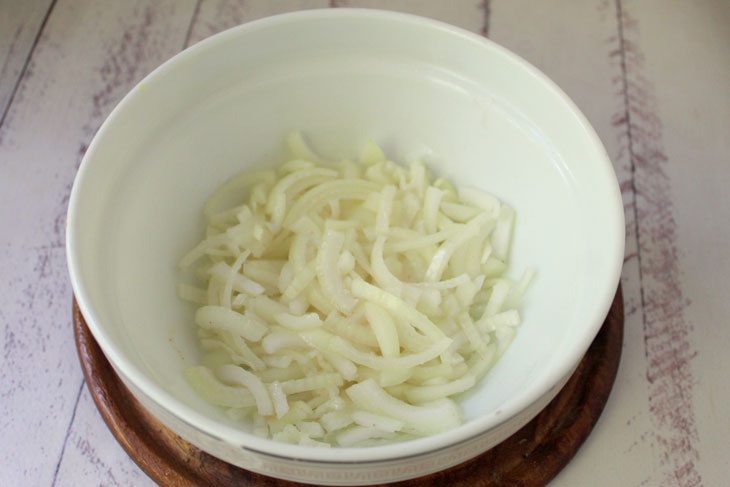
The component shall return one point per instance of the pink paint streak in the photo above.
(668, 347)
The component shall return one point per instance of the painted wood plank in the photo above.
(467, 14)
(89, 55)
(214, 16)
(20, 25)
(681, 142)
(93, 456)
(651, 138)
(584, 57)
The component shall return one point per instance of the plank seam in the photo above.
(487, 7)
(193, 19)
(630, 148)
(68, 433)
(42, 27)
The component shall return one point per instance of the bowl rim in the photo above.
(350, 455)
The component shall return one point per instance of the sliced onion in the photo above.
(344, 304)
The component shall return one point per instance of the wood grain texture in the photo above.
(530, 457)
(21, 23)
(693, 106)
(89, 55)
(667, 345)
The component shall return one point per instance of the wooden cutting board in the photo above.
(530, 457)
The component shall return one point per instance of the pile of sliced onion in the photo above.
(348, 303)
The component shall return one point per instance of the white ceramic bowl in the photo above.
(475, 112)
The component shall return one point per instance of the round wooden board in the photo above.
(530, 457)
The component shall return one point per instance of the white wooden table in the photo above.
(653, 76)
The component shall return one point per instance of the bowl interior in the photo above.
(472, 111)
